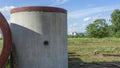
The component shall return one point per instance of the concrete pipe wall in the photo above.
(39, 37)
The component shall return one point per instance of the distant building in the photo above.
(74, 33)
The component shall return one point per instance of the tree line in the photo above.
(100, 28)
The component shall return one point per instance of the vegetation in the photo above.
(86, 49)
(115, 19)
(1, 43)
(98, 29)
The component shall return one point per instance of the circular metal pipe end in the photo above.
(7, 41)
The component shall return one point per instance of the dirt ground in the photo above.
(95, 65)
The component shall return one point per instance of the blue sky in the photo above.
(80, 12)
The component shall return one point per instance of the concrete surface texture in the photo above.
(40, 39)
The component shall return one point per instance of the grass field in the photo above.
(91, 50)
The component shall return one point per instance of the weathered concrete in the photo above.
(40, 39)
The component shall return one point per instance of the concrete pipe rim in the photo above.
(7, 41)
(38, 8)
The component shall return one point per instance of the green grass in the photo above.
(86, 47)
(1, 45)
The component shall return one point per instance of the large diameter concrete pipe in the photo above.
(39, 37)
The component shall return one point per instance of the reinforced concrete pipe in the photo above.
(40, 37)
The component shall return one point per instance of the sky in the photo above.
(80, 13)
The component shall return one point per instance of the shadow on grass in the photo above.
(78, 63)
(74, 62)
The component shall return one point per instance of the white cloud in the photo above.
(61, 1)
(64, 1)
(6, 8)
(85, 12)
(6, 11)
(87, 19)
(76, 27)
(98, 16)
(58, 2)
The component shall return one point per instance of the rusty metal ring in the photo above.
(38, 8)
(7, 41)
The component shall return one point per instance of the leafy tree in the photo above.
(115, 19)
(110, 30)
(98, 29)
(81, 35)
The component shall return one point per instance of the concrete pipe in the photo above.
(40, 37)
